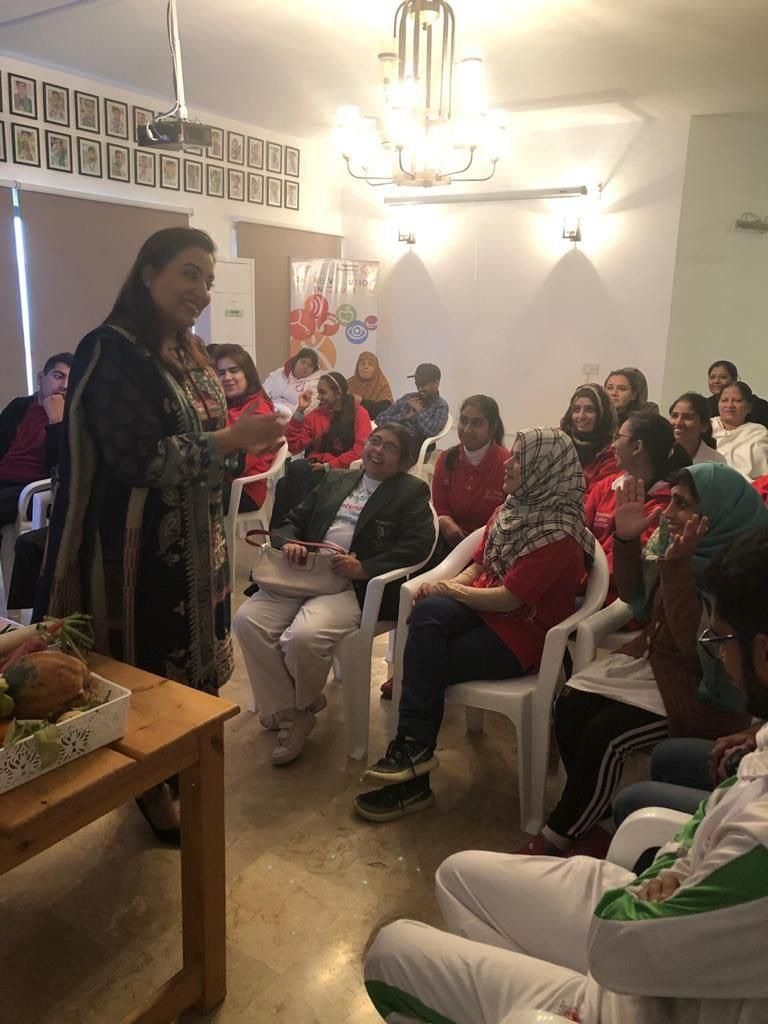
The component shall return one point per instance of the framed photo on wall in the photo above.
(140, 116)
(274, 192)
(292, 158)
(194, 150)
(58, 151)
(274, 158)
(214, 184)
(170, 172)
(116, 119)
(89, 157)
(193, 176)
(3, 153)
(22, 96)
(56, 104)
(25, 141)
(256, 153)
(291, 190)
(256, 188)
(144, 168)
(235, 148)
(118, 162)
(216, 148)
(86, 112)
(235, 185)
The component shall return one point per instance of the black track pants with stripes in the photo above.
(594, 736)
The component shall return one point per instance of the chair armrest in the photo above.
(277, 465)
(592, 630)
(451, 565)
(26, 496)
(643, 830)
(41, 504)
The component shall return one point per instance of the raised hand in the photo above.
(631, 518)
(54, 408)
(305, 400)
(684, 543)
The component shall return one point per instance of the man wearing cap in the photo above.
(422, 412)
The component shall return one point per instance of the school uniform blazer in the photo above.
(395, 528)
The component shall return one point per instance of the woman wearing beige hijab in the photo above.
(369, 385)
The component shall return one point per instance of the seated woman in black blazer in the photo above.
(382, 517)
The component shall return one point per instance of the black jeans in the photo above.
(594, 736)
(9, 500)
(27, 564)
(448, 643)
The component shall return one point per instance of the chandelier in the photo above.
(436, 126)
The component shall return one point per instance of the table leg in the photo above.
(203, 868)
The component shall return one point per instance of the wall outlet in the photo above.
(590, 369)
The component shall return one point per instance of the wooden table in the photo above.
(171, 729)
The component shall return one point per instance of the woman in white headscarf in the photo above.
(489, 622)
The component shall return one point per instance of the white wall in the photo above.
(492, 293)
(720, 297)
(319, 194)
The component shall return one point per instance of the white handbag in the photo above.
(312, 578)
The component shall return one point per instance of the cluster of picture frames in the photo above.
(149, 167)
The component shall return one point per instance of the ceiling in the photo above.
(288, 64)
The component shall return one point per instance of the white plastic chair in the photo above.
(22, 524)
(643, 830)
(421, 466)
(602, 631)
(235, 520)
(353, 655)
(526, 701)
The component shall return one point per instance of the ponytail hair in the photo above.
(341, 433)
(700, 406)
(658, 437)
(489, 407)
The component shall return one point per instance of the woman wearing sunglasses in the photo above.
(658, 684)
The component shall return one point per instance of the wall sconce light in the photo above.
(572, 229)
(406, 236)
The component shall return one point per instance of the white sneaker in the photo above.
(272, 722)
(292, 735)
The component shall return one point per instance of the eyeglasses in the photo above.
(387, 446)
(618, 436)
(713, 643)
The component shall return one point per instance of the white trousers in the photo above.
(288, 645)
(519, 941)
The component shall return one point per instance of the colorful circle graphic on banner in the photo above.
(330, 325)
(301, 324)
(317, 305)
(357, 332)
(347, 314)
(371, 322)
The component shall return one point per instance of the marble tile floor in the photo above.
(87, 928)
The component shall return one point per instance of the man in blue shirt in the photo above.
(422, 412)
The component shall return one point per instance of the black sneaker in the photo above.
(403, 761)
(393, 802)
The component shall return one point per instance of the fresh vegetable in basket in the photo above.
(74, 634)
(45, 684)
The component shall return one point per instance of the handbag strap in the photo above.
(318, 545)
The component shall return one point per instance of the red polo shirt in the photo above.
(470, 494)
(24, 462)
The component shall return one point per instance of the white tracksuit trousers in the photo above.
(517, 940)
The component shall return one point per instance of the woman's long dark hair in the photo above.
(658, 438)
(134, 308)
(700, 406)
(243, 359)
(489, 407)
(341, 433)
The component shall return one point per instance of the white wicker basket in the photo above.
(96, 728)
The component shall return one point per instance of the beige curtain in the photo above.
(13, 379)
(79, 252)
(272, 249)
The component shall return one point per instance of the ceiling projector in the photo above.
(173, 132)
